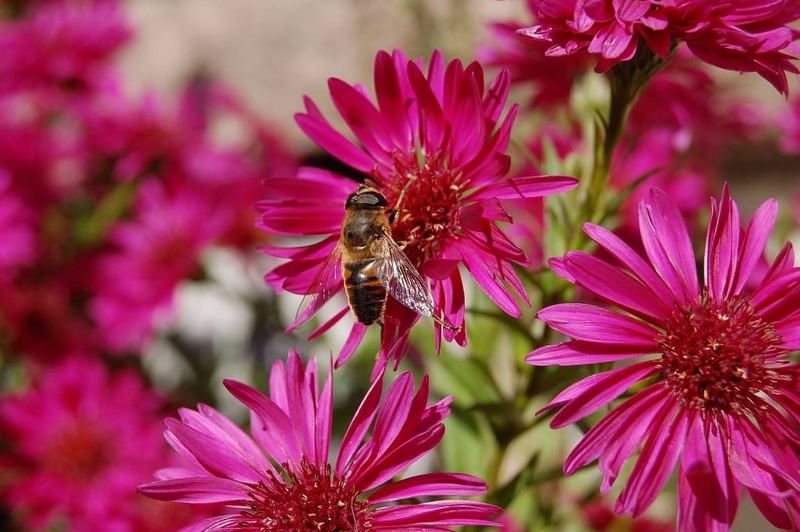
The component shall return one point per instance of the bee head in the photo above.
(365, 198)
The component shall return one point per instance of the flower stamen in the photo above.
(718, 356)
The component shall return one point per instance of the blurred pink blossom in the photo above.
(77, 444)
(61, 46)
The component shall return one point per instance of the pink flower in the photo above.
(17, 231)
(437, 136)
(550, 78)
(61, 46)
(155, 251)
(746, 36)
(281, 477)
(599, 516)
(76, 445)
(789, 125)
(685, 177)
(719, 398)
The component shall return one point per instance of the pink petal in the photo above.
(755, 238)
(330, 140)
(614, 285)
(195, 490)
(621, 251)
(429, 485)
(524, 187)
(668, 245)
(398, 459)
(213, 455)
(391, 100)
(273, 429)
(353, 340)
(479, 265)
(578, 353)
(596, 393)
(438, 513)
(393, 412)
(596, 324)
(707, 495)
(364, 120)
(722, 247)
(631, 418)
(359, 426)
(324, 421)
(656, 461)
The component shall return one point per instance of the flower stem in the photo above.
(627, 80)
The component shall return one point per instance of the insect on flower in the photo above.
(372, 265)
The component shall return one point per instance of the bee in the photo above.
(370, 264)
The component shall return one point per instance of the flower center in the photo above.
(428, 210)
(307, 499)
(717, 356)
(79, 453)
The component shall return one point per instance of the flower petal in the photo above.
(667, 243)
(594, 393)
(656, 461)
(596, 324)
(429, 485)
(578, 353)
(195, 490)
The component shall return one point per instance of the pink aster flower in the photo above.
(789, 126)
(76, 445)
(715, 392)
(280, 477)
(746, 36)
(154, 252)
(550, 78)
(437, 136)
(61, 46)
(17, 230)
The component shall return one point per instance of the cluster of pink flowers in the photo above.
(746, 36)
(677, 131)
(83, 439)
(106, 200)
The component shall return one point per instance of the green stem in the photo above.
(627, 80)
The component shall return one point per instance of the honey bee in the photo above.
(371, 265)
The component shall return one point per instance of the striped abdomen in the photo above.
(365, 293)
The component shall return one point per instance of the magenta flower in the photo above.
(550, 78)
(281, 478)
(720, 396)
(17, 230)
(439, 137)
(789, 126)
(154, 252)
(746, 36)
(76, 445)
(62, 46)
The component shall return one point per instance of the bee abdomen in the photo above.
(365, 293)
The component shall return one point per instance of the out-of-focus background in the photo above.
(179, 108)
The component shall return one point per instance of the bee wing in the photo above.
(400, 278)
(327, 282)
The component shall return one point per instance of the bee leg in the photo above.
(445, 325)
(399, 204)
